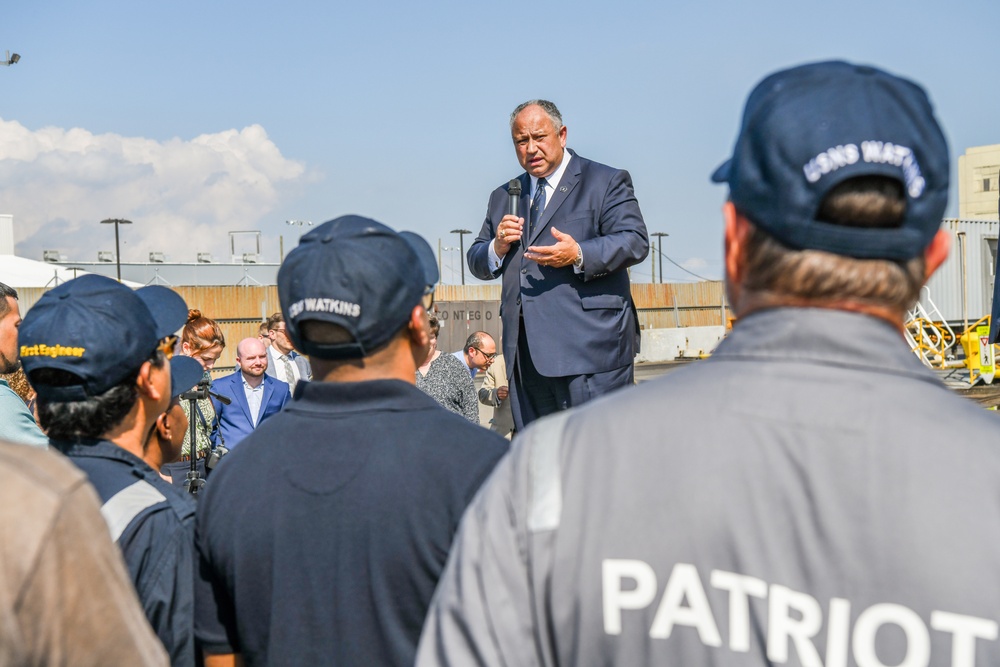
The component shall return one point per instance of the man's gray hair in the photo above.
(548, 107)
(6, 291)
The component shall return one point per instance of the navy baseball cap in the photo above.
(807, 129)
(97, 329)
(359, 274)
(185, 373)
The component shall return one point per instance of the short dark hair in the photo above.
(328, 333)
(434, 323)
(91, 418)
(6, 291)
(274, 321)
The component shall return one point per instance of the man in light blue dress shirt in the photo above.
(254, 396)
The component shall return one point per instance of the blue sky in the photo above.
(197, 119)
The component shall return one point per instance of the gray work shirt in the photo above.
(810, 495)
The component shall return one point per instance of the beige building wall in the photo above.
(979, 183)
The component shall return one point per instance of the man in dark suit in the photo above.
(570, 327)
(254, 395)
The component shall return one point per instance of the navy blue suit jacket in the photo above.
(576, 324)
(235, 422)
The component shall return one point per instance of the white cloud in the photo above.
(182, 196)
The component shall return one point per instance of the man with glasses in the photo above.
(97, 355)
(479, 352)
(283, 362)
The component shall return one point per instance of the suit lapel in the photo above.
(569, 181)
(268, 390)
(241, 396)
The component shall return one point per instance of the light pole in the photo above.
(118, 253)
(281, 239)
(461, 249)
(11, 59)
(659, 251)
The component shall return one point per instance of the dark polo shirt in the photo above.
(322, 537)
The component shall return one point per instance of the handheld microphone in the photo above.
(514, 191)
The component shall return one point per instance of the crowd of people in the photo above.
(797, 498)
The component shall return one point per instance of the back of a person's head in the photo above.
(845, 201)
(87, 418)
(351, 288)
(775, 272)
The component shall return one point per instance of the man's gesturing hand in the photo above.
(563, 253)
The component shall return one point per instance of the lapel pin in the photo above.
(563, 188)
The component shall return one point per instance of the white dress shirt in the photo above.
(279, 366)
(551, 183)
(255, 395)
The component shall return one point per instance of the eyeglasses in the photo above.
(428, 299)
(167, 345)
(489, 357)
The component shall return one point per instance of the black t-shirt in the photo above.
(322, 537)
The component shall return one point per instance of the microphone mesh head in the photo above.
(514, 187)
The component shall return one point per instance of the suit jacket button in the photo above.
(518, 301)
(523, 271)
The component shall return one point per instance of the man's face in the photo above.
(279, 338)
(252, 358)
(538, 145)
(10, 360)
(483, 356)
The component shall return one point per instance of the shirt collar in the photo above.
(246, 385)
(806, 335)
(337, 398)
(101, 449)
(556, 176)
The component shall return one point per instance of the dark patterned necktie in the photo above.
(289, 373)
(537, 206)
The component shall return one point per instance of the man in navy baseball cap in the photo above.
(808, 129)
(98, 355)
(348, 498)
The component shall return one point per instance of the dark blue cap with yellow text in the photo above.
(97, 329)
